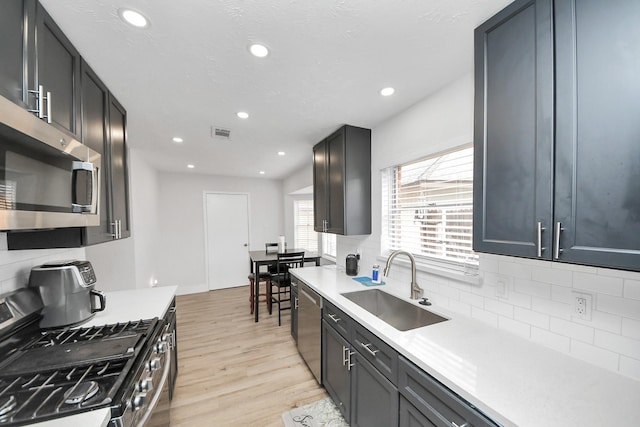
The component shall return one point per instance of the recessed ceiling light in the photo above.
(177, 139)
(134, 18)
(259, 50)
(261, 172)
(387, 91)
(281, 153)
(191, 166)
(242, 115)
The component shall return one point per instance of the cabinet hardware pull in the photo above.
(40, 102)
(556, 245)
(349, 364)
(453, 424)
(366, 347)
(48, 116)
(540, 248)
(334, 318)
(295, 303)
(345, 357)
(114, 229)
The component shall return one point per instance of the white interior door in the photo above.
(227, 225)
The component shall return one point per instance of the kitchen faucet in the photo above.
(416, 291)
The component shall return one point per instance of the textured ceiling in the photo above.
(329, 58)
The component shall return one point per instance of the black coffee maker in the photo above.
(351, 264)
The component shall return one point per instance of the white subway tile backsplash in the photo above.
(499, 307)
(598, 356)
(531, 317)
(472, 299)
(539, 306)
(618, 343)
(535, 289)
(625, 307)
(485, 316)
(551, 340)
(552, 308)
(553, 276)
(631, 329)
(599, 284)
(514, 326)
(514, 269)
(601, 320)
(572, 330)
(632, 289)
(630, 367)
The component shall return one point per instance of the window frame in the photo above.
(468, 265)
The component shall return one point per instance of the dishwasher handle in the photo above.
(315, 298)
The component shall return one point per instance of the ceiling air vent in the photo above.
(220, 133)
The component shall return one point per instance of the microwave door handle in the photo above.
(87, 166)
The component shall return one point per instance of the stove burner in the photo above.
(81, 392)
(7, 406)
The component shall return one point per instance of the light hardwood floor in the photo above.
(233, 371)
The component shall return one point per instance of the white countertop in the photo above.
(514, 381)
(121, 306)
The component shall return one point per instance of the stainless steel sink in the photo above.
(396, 312)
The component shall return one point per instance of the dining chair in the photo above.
(271, 248)
(265, 277)
(280, 286)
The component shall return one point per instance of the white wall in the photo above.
(537, 305)
(180, 246)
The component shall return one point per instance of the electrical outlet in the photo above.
(502, 287)
(582, 305)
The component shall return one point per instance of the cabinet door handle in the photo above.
(453, 424)
(39, 102)
(345, 355)
(295, 303)
(334, 318)
(540, 248)
(349, 364)
(114, 229)
(556, 245)
(367, 347)
(49, 100)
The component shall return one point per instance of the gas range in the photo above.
(50, 374)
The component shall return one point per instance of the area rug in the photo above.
(322, 413)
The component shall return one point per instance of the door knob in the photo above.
(245, 245)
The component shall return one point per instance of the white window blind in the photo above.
(329, 248)
(428, 207)
(304, 236)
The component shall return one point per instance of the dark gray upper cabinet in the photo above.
(35, 53)
(17, 35)
(513, 138)
(342, 182)
(58, 71)
(95, 101)
(557, 167)
(597, 173)
(119, 169)
(104, 130)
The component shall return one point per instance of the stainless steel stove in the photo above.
(57, 373)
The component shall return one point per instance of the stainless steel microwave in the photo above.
(47, 178)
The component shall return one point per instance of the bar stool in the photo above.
(262, 277)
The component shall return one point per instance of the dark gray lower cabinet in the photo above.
(374, 399)
(435, 401)
(335, 372)
(411, 417)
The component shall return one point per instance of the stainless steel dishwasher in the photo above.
(310, 328)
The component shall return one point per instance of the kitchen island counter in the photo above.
(514, 381)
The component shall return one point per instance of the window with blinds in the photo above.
(428, 207)
(329, 248)
(304, 237)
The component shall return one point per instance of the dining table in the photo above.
(264, 258)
